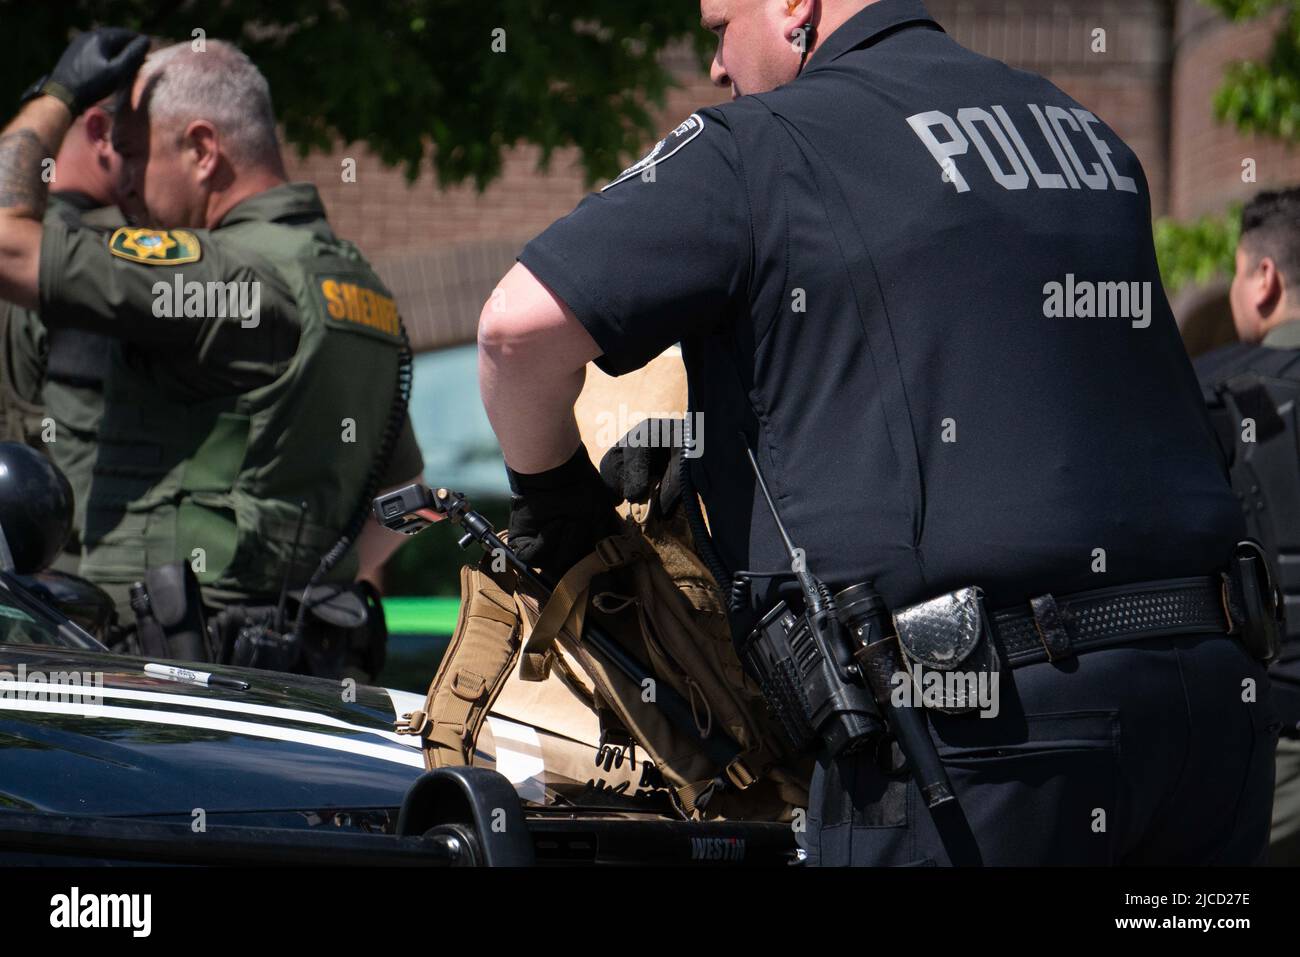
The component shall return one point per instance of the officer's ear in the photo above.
(99, 129)
(203, 146)
(798, 22)
(1267, 286)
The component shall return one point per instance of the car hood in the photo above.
(91, 733)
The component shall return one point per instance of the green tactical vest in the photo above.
(20, 416)
(219, 482)
(74, 390)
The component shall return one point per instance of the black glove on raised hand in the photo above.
(94, 65)
(558, 516)
(640, 461)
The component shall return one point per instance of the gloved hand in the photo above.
(633, 467)
(558, 516)
(94, 65)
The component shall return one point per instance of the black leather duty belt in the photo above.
(1050, 629)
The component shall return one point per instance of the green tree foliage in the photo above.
(1257, 97)
(419, 81)
(1263, 96)
(1197, 252)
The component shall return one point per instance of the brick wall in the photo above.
(441, 251)
(381, 211)
(1206, 158)
(1126, 85)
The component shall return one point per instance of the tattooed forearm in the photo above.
(21, 183)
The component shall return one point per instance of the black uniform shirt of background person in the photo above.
(1276, 358)
(851, 301)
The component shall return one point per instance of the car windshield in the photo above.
(25, 620)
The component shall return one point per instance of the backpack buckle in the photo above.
(413, 723)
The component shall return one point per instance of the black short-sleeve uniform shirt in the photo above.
(923, 287)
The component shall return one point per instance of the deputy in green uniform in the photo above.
(52, 384)
(23, 349)
(255, 364)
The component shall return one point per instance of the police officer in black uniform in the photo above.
(921, 287)
(1251, 388)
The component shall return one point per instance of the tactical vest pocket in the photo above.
(215, 464)
(115, 545)
(265, 539)
(214, 530)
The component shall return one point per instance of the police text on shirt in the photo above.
(1003, 148)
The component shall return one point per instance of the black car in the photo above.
(115, 759)
(105, 762)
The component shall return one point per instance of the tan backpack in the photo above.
(648, 590)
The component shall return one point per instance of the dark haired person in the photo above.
(1251, 388)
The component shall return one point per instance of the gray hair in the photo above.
(218, 84)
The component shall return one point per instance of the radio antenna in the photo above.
(813, 590)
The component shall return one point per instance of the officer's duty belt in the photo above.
(1051, 628)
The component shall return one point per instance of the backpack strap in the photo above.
(473, 670)
(567, 608)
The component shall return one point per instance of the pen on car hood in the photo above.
(172, 673)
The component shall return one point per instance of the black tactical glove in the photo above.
(558, 516)
(95, 64)
(639, 462)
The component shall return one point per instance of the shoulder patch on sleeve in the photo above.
(665, 148)
(155, 247)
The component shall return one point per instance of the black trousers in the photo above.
(1159, 752)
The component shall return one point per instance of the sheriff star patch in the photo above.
(155, 247)
(665, 148)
